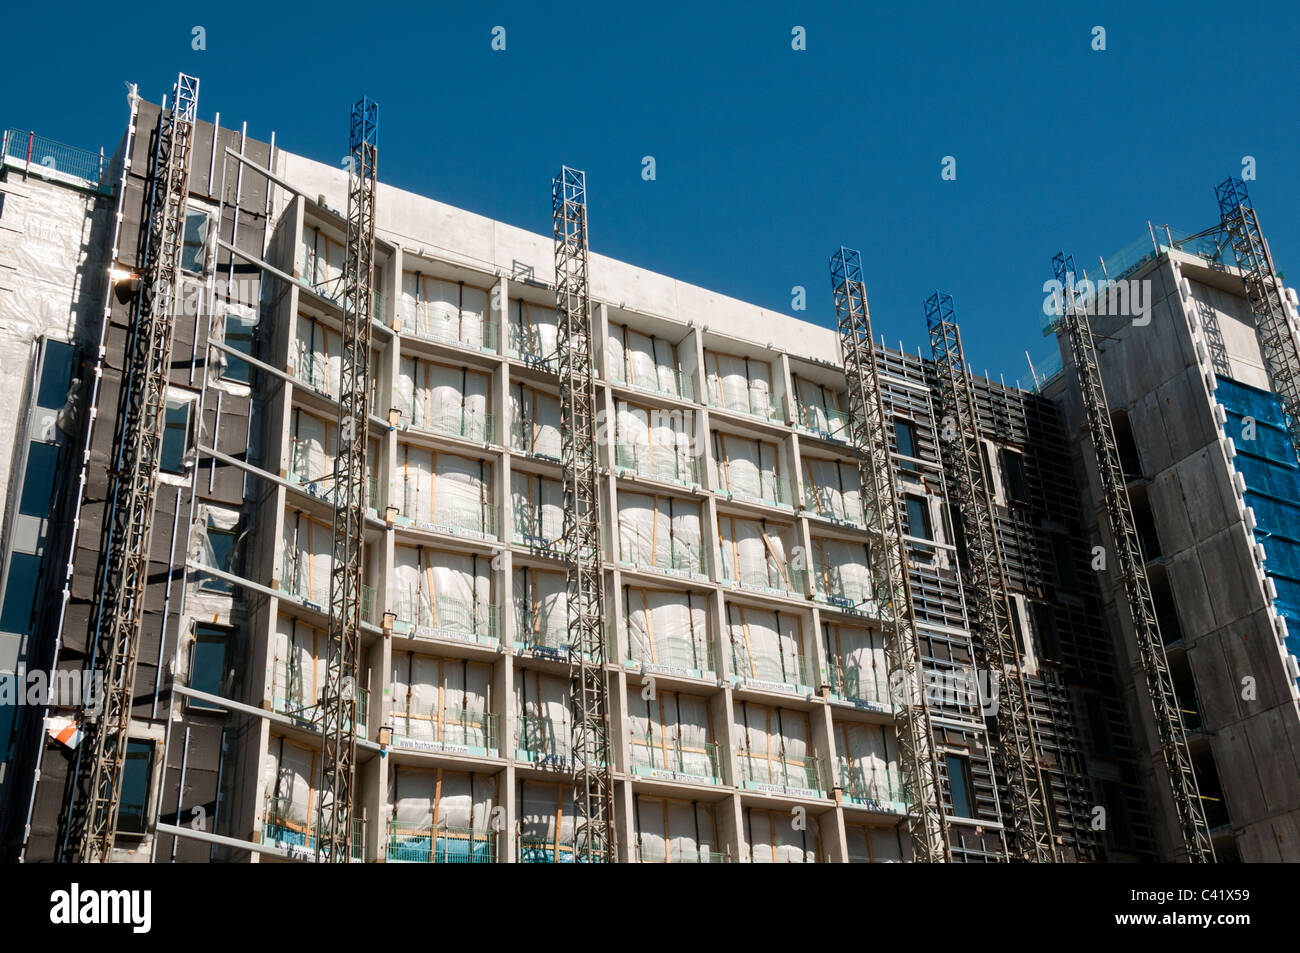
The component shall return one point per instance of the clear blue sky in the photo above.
(766, 158)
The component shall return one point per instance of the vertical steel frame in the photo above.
(917, 753)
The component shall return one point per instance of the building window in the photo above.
(918, 518)
(1013, 476)
(222, 544)
(239, 336)
(1045, 634)
(136, 775)
(1013, 604)
(195, 244)
(208, 662)
(1129, 460)
(1063, 555)
(963, 795)
(176, 434)
(905, 434)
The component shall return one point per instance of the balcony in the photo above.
(297, 837)
(788, 672)
(679, 855)
(860, 687)
(668, 466)
(774, 580)
(768, 489)
(540, 637)
(671, 759)
(313, 369)
(462, 422)
(466, 732)
(823, 422)
(667, 382)
(531, 529)
(451, 516)
(747, 401)
(529, 349)
(314, 272)
(830, 507)
(443, 617)
(291, 696)
(323, 487)
(296, 584)
(520, 443)
(778, 774)
(877, 791)
(677, 656)
(541, 850)
(543, 743)
(433, 323)
(441, 845)
(672, 557)
(847, 595)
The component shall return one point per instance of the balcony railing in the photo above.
(849, 595)
(443, 617)
(544, 742)
(660, 463)
(49, 159)
(455, 516)
(532, 529)
(297, 837)
(877, 790)
(769, 489)
(787, 671)
(802, 776)
(541, 850)
(529, 349)
(470, 732)
(667, 382)
(313, 369)
(670, 556)
(679, 855)
(441, 845)
(522, 442)
(313, 271)
(322, 487)
(536, 635)
(659, 757)
(291, 695)
(440, 324)
(752, 403)
(859, 685)
(295, 584)
(682, 654)
(463, 422)
(771, 579)
(832, 508)
(825, 422)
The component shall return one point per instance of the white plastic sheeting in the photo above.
(859, 666)
(306, 557)
(773, 747)
(842, 569)
(643, 361)
(532, 329)
(443, 488)
(440, 699)
(541, 608)
(832, 489)
(442, 590)
(444, 799)
(537, 504)
(656, 443)
(674, 832)
(297, 664)
(672, 732)
(738, 383)
(749, 468)
(766, 645)
(873, 845)
(668, 628)
(820, 408)
(773, 839)
(317, 354)
(546, 813)
(321, 261)
(754, 554)
(545, 724)
(868, 761)
(660, 532)
(313, 446)
(289, 772)
(451, 400)
(446, 310)
(534, 421)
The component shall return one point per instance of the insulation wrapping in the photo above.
(440, 699)
(451, 400)
(445, 310)
(533, 329)
(766, 645)
(535, 421)
(541, 608)
(671, 731)
(668, 628)
(642, 361)
(673, 832)
(660, 531)
(442, 590)
(450, 491)
(537, 505)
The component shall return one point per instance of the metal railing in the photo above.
(474, 730)
(297, 836)
(531, 528)
(454, 422)
(855, 683)
(528, 444)
(748, 401)
(443, 615)
(535, 637)
(788, 668)
(791, 774)
(528, 348)
(832, 507)
(663, 754)
(830, 585)
(448, 515)
(825, 422)
(669, 465)
(440, 845)
(440, 324)
(667, 382)
(679, 855)
(43, 156)
(314, 271)
(790, 582)
(295, 584)
(862, 787)
(682, 653)
(290, 696)
(670, 555)
(321, 486)
(542, 850)
(770, 489)
(544, 742)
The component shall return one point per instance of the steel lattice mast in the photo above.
(1129, 566)
(593, 784)
(1277, 337)
(1016, 752)
(866, 413)
(137, 442)
(334, 829)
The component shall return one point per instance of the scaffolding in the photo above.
(91, 819)
(1016, 752)
(866, 415)
(1277, 334)
(339, 703)
(1130, 569)
(593, 779)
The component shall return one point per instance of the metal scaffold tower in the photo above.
(593, 783)
(339, 703)
(1277, 338)
(866, 412)
(1016, 755)
(1132, 573)
(91, 822)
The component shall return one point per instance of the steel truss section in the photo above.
(917, 753)
(91, 820)
(339, 701)
(1277, 334)
(1131, 571)
(1016, 754)
(593, 783)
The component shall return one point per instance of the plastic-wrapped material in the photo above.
(449, 491)
(754, 554)
(832, 489)
(298, 664)
(441, 590)
(668, 628)
(748, 468)
(858, 664)
(441, 700)
(544, 721)
(842, 570)
(868, 762)
(640, 360)
(306, 557)
(873, 845)
(655, 443)
(541, 609)
(546, 813)
(820, 409)
(672, 732)
(532, 330)
(538, 507)
(660, 531)
(317, 355)
(313, 448)
(289, 774)
(739, 384)
(450, 400)
(535, 422)
(445, 310)
(773, 838)
(674, 832)
(767, 645)
(441, 799)
(773, 747)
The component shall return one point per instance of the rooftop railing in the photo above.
(40, 155)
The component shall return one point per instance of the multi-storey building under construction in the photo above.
(245, 374)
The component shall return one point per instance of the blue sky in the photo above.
(767, 158)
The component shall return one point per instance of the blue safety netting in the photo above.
(1268, 464)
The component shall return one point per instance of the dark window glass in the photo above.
(175, 436)
(1063, 553)
(1013, 475)
(208, 662)
(222, 542)
(135, 787)
(918, 518)
(906, 436)
(56, 374)
(39, 479)
(20, 592)
(963, 797)
(1129, 460)
(1017, 626)
(1049, 642)
(239, 335)
(196, 240)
